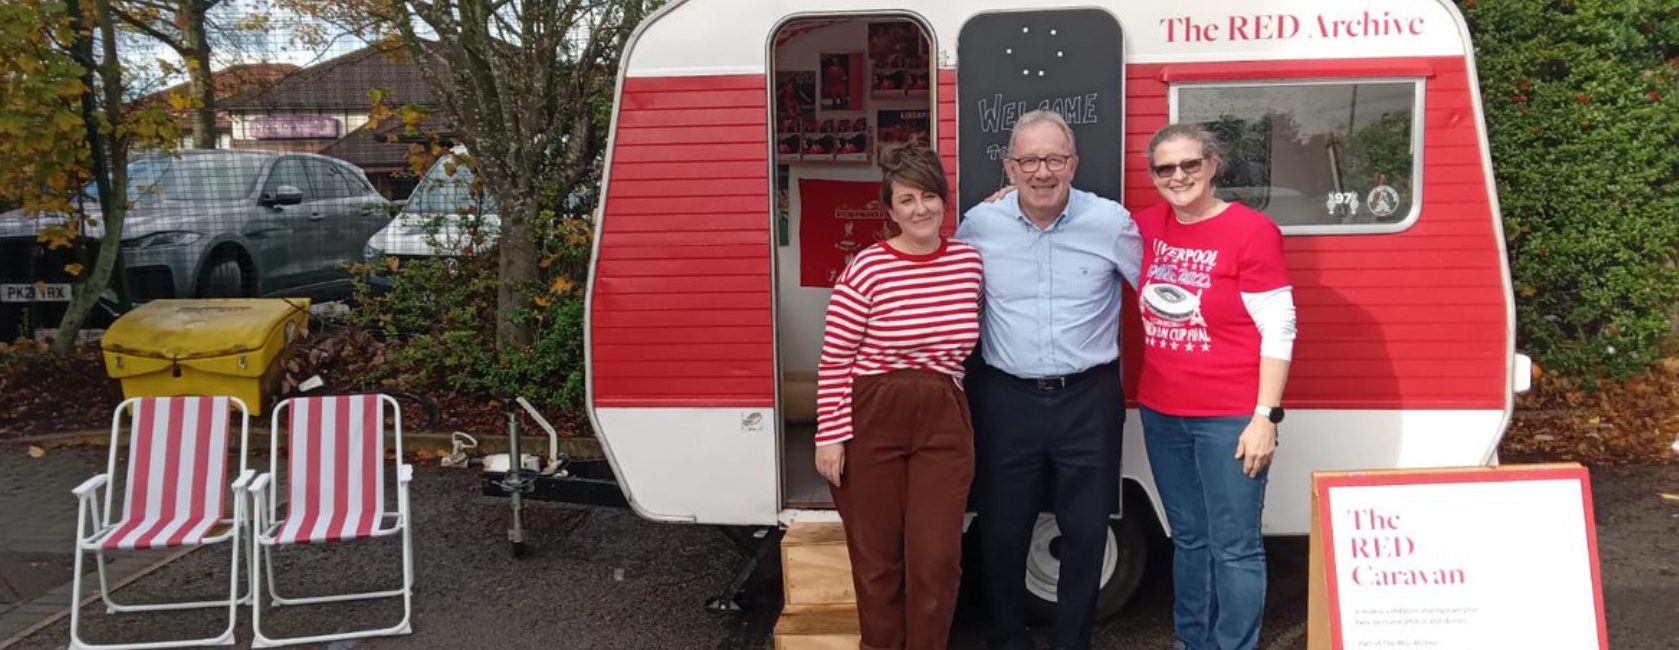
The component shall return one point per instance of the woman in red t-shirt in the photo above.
(1218, 326)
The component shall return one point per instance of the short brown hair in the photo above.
(913, 166)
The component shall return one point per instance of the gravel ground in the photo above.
(602, 578)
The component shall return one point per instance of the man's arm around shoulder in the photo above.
(1128, 241)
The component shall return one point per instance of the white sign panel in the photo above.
(1462, 560)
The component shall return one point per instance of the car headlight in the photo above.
(372, 253)
(161, 239)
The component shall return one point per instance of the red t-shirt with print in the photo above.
(1201, 348)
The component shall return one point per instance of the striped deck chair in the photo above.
(176, 494)
(334, 482)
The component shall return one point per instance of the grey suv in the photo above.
(215, 223)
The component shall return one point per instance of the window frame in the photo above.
(309, 193)
(330, 175)
(1419, 117)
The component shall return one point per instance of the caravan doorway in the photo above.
(842, 90)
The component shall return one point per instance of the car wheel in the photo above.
(223, 277)
(1123, 563)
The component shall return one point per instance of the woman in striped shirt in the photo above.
(893, 436)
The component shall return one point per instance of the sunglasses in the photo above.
(1189, 167)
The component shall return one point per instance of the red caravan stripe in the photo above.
(1379, 289)
(693, 231)
(719, 115)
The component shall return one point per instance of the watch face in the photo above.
(1276, 414)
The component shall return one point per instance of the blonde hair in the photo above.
(1212, 148)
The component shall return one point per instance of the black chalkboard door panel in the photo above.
(1067, 60)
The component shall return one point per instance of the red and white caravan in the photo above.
(730, 199)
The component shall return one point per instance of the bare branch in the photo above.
(173, 42)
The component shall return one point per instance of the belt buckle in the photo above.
(1051, 383)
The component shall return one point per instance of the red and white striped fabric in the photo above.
(335, 476)
(895, 311)
(177, 473)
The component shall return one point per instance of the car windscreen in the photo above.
(448, 189)
(143, 175)
(210, 178)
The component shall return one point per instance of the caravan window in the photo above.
(1338, 156)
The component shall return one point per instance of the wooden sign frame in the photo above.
(1323, 607)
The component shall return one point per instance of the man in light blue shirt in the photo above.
(1048, 403)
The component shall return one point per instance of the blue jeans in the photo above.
(1218, 563)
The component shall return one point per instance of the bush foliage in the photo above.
(443, 311)
(1582, 109)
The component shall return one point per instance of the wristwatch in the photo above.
(1272, 413)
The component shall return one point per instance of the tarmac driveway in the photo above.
(604, 578)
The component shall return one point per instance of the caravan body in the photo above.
(697, 320)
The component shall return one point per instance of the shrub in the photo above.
(440, 314)
(1583, 116)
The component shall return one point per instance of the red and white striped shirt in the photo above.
(890, 311)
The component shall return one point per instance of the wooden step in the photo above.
(817, 627)
(815, 569)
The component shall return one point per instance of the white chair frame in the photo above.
(266, 524)
(88, 512)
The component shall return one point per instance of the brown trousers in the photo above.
(903, 494)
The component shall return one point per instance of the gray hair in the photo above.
(1211, 146)
(1044, 115)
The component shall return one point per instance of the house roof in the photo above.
(228, 81)
(384, 148)
(341, 83)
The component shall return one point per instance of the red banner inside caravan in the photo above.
(836, 220)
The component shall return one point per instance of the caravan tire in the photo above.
(1122, 567)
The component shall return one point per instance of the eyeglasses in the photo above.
(1189, 168)
(1030, 164)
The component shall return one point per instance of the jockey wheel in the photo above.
(517, 482)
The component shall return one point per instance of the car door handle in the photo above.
(316, 216)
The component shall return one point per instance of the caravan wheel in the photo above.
(1122, 566)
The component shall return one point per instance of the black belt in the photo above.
(1062, 381)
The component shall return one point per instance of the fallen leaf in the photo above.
(1670, 497)
(35, 451)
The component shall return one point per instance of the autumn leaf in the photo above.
(65, 120)
(392, 263)
(541, 301)
(74, 269)
(561, 284)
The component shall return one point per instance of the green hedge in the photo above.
(1582, 106)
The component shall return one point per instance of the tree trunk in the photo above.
(197, 54)
(110, 175)
(518, 270)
